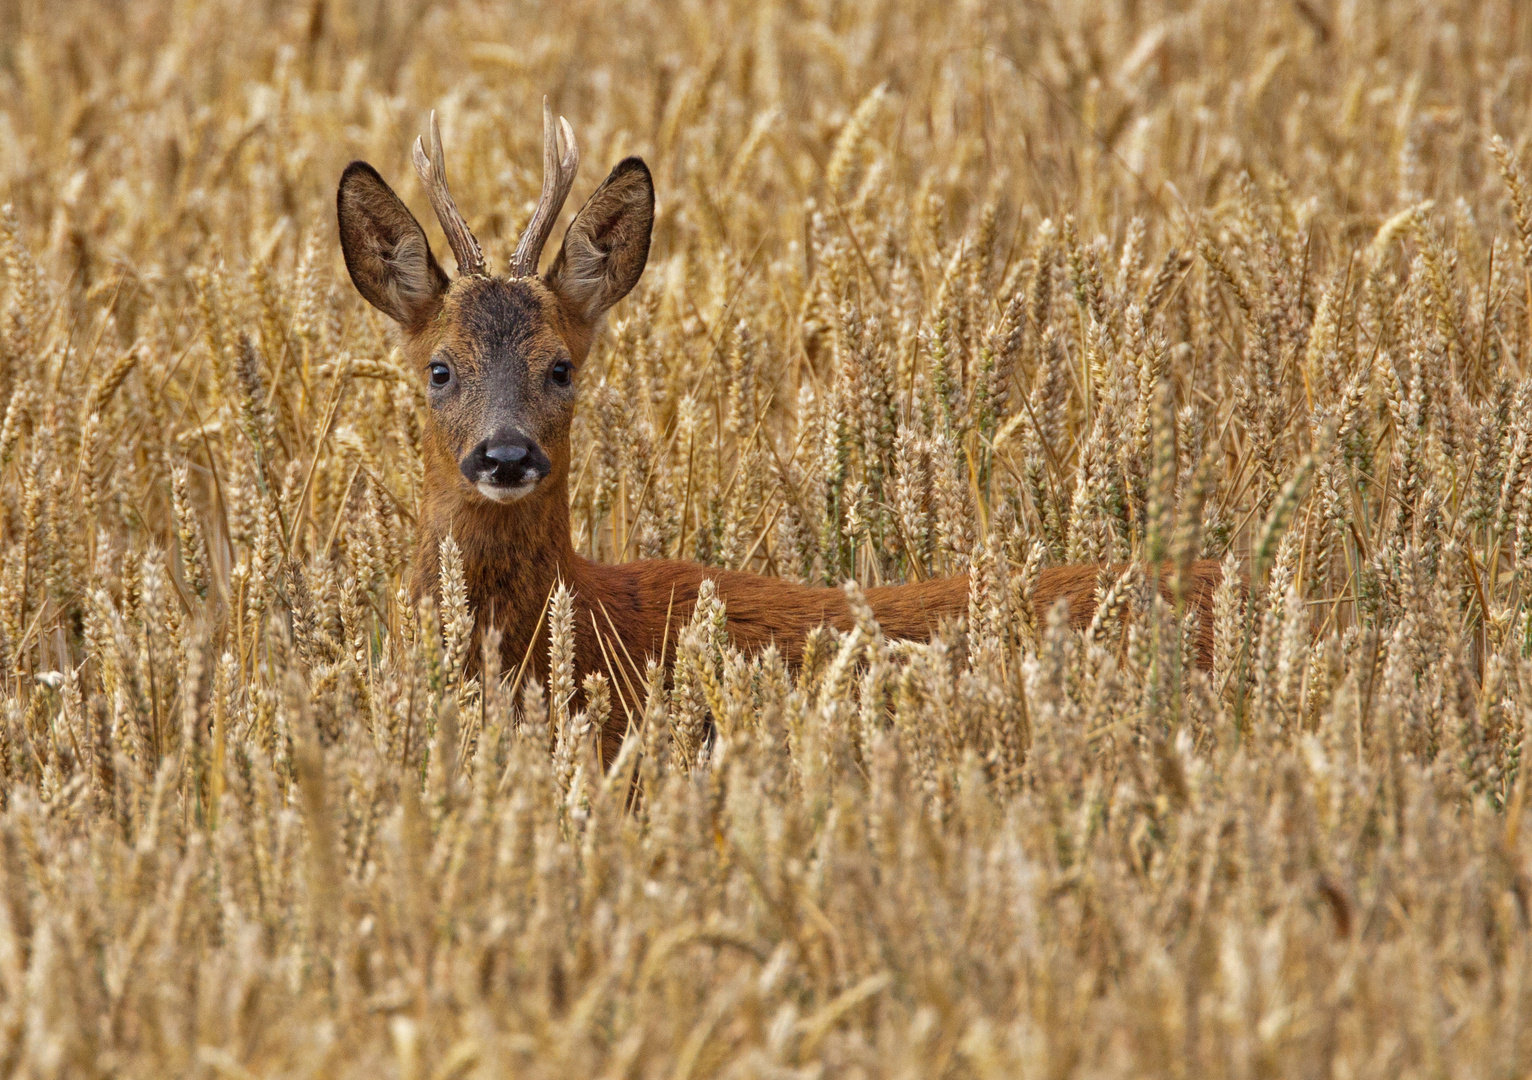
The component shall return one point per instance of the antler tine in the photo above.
(561, 160)
(433, 174)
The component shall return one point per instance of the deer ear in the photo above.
(386, 250)
(607, 244)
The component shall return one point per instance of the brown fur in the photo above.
(639, 607)
(501, 338)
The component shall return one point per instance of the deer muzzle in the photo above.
(506, 467)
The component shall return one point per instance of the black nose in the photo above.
(508, 454)
(508, 459)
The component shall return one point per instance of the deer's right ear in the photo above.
(386, 250)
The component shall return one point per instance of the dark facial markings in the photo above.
(500, 375)
(498, 315)
(496, 337)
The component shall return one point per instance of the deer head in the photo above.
(499, 355)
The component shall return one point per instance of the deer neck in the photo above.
(513, 554)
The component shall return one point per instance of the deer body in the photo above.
(499, 356)
(625, 613)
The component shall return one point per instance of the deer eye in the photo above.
(561, 372)
(441, 374)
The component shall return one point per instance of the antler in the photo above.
(433, 174)
(561, 160)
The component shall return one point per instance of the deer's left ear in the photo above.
(607, 244)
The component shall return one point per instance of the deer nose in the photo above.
(508, 454)
(508, 459)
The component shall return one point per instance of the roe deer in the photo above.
(501, 357)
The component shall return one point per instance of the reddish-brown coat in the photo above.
(515, 554)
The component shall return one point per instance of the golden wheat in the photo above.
(935, 288)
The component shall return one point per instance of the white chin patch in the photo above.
(498, 493)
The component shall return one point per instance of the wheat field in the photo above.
(935, 288)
